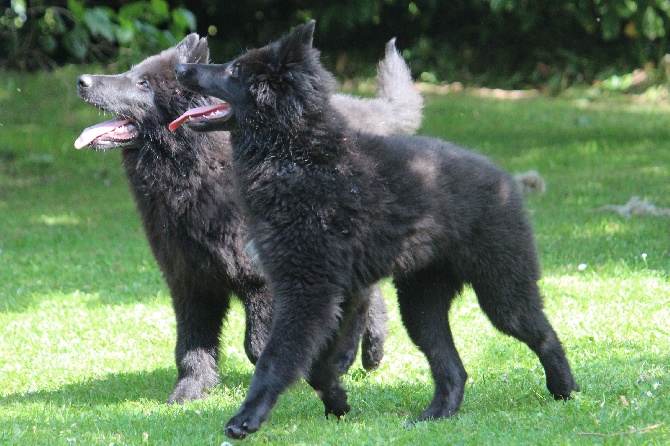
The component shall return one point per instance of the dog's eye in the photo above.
(143, 85)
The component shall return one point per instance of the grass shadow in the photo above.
(155, 386)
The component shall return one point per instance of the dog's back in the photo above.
(441, 198)
(406, 201)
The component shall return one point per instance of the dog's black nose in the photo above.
(180, 70)
(84, 81)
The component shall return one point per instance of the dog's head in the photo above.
(144, 99)
(280, 80)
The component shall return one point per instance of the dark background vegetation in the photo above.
(502, 43)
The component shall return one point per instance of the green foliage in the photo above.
(645, 20)
(87, 330)
(38, 35)
(502, 43)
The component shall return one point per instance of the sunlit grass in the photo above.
(87, 330)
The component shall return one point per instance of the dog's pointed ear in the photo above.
(296, 46)
(306, 33)
(193, 49)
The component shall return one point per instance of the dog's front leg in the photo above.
(199, 312)
(303, 324)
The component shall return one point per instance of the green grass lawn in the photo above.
(87, 330)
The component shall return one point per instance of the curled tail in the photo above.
(398, 107)
(395, 85)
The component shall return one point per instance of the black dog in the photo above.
(332, 211)
(182, 184)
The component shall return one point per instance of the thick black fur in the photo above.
(182, 183)
(332, 211)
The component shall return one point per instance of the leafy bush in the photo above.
(37, 35)
(509, 43)
(636, 29)
(505, 43)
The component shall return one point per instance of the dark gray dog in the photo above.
(182, 184)
(332, 211)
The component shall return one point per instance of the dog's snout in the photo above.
(180, 70)
(84, 81)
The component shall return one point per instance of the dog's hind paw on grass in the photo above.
(192, 388)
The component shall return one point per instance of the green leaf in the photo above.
(610, 25)
(54, 23)
(76, 41)
(154, 12)
(76, 7)
(48, 43)
(134, 11)
(626, 9)
(160, 10)
(99, 23)
(184, 19)
(125, 33)
(652, 24)
(501, 5)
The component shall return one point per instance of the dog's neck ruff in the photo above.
(303, 140)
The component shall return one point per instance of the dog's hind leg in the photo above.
(258, 303)
(366, 309)
(367, 320)
(324, 377)
(199, 316)
(424, 300)
(376, 330)
(515, 308)
(340, 352)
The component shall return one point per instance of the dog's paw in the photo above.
(372, 356)
(566, 395)
(372, 345)
(237, 432)
(562, 389)
(335, 402)
(339, 411)
(180, 396)
(238, 427)
(441, 408)
(188, 389)
(249, 418)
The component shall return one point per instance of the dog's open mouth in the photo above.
(205, 118)
(112, 133)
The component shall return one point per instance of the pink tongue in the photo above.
(198, 111)
(89, 134)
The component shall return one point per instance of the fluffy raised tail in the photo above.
(398, 107)
(395, 85)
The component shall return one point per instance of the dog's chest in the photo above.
(285, 192)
